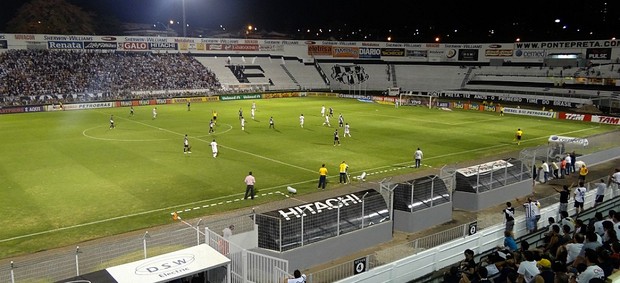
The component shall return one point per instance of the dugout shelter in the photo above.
(199, 263)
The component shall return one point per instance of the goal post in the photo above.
(418, 99)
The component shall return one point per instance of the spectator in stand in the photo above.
(509, 241)
(573, 248)
(568, 164)
(580, 227)
(614, 182)
(562, 168)
(546, 274)
(573, 160)
(598, 223)
(467, 266)
(544, 167)
(555, 169)
(592, 269)
(600, 192)
(566, 220)
(591, 243)
(528, 268)
(509, 216)
(567, 234)
(85, 76)
(580, 197)
(614, 257)
(564, 196)
(532, 214)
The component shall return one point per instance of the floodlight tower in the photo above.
(184, 20)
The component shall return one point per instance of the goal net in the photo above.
(427, 100)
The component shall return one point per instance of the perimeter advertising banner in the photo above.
(601, 51)
(394, 52)
(562, 139)
(239, 97)
(468, 54)
(373, 53)
(101, 45)
(598, 54)
(529, 112)
(575, 116)
(320, 50)
(345, 52)
(483, 168)
(21, 109)
(606, 120)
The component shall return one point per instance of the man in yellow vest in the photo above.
(583, 172)
(343, 168)
(322, 177)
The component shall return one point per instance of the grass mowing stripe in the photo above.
(302, 182)
(228, 147)
(74, 171)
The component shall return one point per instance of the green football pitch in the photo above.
(67, 177)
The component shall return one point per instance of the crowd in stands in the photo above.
(571, 251)
(44, 76)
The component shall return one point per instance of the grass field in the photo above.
(66, 177)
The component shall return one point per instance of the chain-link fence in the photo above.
(93, 256)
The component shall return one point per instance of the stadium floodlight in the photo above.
(291, 190)
(184, 21)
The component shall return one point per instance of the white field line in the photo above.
(227, 147)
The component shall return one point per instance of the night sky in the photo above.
(436, 16)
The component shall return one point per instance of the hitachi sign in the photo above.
(318, 207)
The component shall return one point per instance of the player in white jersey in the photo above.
(252, 111)
(214, 148)
(322, 110)
(242, 123)
(347, 130)
(301, 120)
(155, 113)
(327, 121)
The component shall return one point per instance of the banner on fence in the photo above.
(562, 139)
(484, 168)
